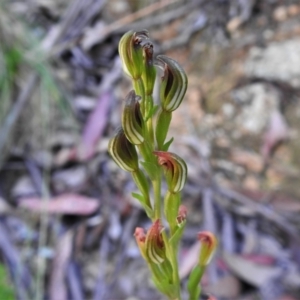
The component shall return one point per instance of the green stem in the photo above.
(172, 256)
(140, 91)
(193, 285)
(149, 121)
(156, 183)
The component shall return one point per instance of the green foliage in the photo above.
(6, 289)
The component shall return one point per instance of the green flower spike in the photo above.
(173, 85)
(132, 120)
(123, 152)
(131, 52)
(175, 170)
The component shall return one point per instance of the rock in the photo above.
(279, 61)
(257, 101)
(280, 13)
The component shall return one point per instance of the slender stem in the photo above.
(140, 91)
(156, 183)
(149, 123)
(172, 256)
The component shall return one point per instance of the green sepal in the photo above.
(167, 144)
(175, 238)
(193, 285)
(151, 169)
(171, 206)
(142, 201)
(162, 127)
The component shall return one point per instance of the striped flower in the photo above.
(123, 152)
(175, 170)
(155, 248)
(131, 52)
(173, 85)
(132, 120)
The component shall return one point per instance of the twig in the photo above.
(126, 235)
(262, 210)
(16, 111)
(20, 275)
(99, 34)
(162, 18)
(101, 285)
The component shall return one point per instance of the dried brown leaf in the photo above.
(73, 204)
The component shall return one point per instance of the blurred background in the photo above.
(66, 213)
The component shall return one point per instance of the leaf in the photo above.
(71, 204)
(95, 126)
(167, 144)
(162, 127)
(141, 200)
(58, 288)
(150, 168)
(6, 289)
(175, 239)
(152, 112)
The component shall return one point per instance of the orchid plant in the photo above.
(140, 146)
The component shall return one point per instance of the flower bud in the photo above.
(149, 72)
(175, 170)
(123, 152)
(155, 247)
(173, 85)
(208, 246)
(132, 120)
(182, 213)
(131, 52)
(140, 238)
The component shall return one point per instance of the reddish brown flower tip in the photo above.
(140, 238)
(208, 246)
(140, 234)
(182, 213)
